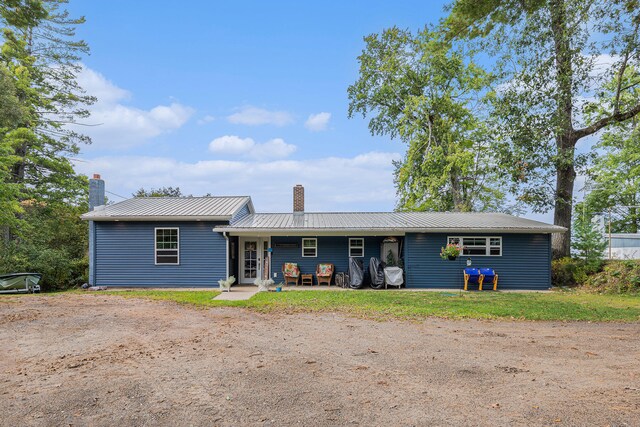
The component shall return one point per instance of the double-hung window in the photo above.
(356, 247)
(167, 246)
(310, 248)
(478, 246)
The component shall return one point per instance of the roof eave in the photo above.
(155, 218)
(383, 230)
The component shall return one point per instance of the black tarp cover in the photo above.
(376, 271)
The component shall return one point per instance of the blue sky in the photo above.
(243, 97)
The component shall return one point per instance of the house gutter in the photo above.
(384, 231)
(88, 217)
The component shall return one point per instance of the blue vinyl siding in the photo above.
(525, 262)
(331, 249)
(240, 214)
(125, 256)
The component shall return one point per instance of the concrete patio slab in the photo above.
(237, 294)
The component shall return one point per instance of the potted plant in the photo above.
(450, 252)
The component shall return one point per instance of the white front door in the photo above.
(254, 259)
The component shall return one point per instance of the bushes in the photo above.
(606, 277)
(52, 242)
(617, 277)
(568, 272)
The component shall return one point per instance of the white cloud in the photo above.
(254, 116)
(360, 183)
(318, 122)
(206, 119)
(234, 145)
(119, 126)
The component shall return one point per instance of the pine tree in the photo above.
(42, 60)
(588, 241)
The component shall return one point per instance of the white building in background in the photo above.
(624, 246)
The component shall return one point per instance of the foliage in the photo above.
(617, 277)
(41, 60)
(550, 63)
(159, 192)
(451, 250)
(53, 242)
(423, 90)
(588, 241)
(391, 259)
(571, 272)
(615, 175)
(421, 305)
(10, 113)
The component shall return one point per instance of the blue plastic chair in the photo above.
(472, 276)
(488, 275)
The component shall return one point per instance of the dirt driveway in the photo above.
(104, 360)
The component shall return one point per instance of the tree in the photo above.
(42, 60)
(422, 90)
(588, 240)
(10, 113)
(53, 242)
(615, 173)
(552, 56)
(159, 192)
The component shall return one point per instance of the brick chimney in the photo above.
(96, 192)
(298, 199)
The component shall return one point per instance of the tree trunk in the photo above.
(565, 140)
(565, 178)
(455, 193)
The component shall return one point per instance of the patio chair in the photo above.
(472, 276)
(489, 276)
(324, 273)
(291, 273)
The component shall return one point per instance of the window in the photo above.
(356, 247)
(167, 246)
(310, 248)
(478, 246)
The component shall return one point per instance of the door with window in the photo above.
(254, 259)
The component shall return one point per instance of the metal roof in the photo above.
(220, 208)
(389, 222)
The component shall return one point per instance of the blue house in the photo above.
(196, 241)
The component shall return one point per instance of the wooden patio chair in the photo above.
(291, 273)
(324, 273)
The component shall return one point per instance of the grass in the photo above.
(565, 306)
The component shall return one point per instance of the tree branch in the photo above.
(614, 118)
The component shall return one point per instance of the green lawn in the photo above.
(419, 305)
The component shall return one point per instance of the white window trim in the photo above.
(358, 247)
(155, 245)
(315, 244)
(488, 246)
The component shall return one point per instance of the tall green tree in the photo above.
(42, 58)
(422, 90)
(552, 56)
(615, 173)
(10, 114)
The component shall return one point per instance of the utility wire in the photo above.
(114, 194)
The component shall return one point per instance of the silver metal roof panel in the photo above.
(389, 221)
(171, 208)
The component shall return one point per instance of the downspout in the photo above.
(226, 263)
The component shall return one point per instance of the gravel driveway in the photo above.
(104, 360)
